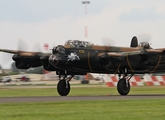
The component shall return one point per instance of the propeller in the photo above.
(108, 41)
(36, 47)
(7, 57)
(22, 47)
(144, 37)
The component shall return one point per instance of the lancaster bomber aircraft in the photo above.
(77, 57)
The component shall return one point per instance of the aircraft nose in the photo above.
(58, 60)
(54, 59)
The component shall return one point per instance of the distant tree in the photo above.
(14, 68)
(36, 70)
(0, 67)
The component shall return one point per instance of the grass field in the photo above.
(148, 109)
(85, 110)
(83, 90)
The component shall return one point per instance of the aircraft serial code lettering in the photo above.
(81, 51)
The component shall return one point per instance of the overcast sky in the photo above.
(55, 21)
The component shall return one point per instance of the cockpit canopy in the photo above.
(146, 45)
(58, 49)
(78, 43)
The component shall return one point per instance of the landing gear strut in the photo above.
(63, 86)
(123, 85)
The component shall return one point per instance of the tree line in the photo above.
(14, 70)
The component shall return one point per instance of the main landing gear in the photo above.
(63, 86)
(123, 85)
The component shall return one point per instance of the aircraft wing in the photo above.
(24, 53)
(120, 54)
(154, 50)
(132, 58)
(25, 59)
(131, 53)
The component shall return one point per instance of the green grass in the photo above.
(85, 110)
(85, 90)
(146, 109)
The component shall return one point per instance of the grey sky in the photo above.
(55, 21)
(149, 14)
(41, 10)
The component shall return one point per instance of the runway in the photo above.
(78, 98)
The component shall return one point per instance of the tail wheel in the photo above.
(123, 87)
(63, 87)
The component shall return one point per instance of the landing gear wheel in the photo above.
(63, 87)
(123, 87)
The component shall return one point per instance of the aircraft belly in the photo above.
(85, 65)
(92, 67)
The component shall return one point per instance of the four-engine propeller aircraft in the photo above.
(77, 57)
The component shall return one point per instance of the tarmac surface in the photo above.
(78, 98)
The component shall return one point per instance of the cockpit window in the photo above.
(59, 49)
(54, 50)
(78, 43)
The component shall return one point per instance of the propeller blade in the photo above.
(36, 47)
(7, 58)
(108, 41)
(22, 45)
(134, 42)
(144, 37)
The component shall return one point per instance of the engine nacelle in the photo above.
(22, 65)
(26, 62)
(49, 67)
(108, 62)
(46, 64)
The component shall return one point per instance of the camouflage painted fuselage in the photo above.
(111, 60)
